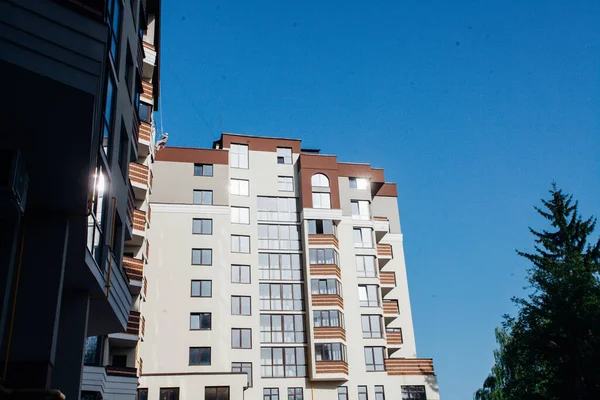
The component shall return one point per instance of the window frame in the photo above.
(342, 394)
(320, 254)
(284, 156)
(408, 392)
(270, 242)
(142, 397)
(240, 366)
(240, 300)
(270, 393)
(200, 290)
(360, 206)
(328, 351)
(285, 363)
(295, 288)
(320, 204)
(202, 167)
(202, 256)
(241, 332)
(238, 238)
(363, 392)
(200, 349)
(202, 194)
(374, 366)
(361, 266)
(326, 286)
(277, 274)
(202, 220)
(363, 233)
(317, 227)
(265, 212)
(268, 333)
(320, 319)
(141, 114)
(295, 393)
(239, 185)
(379, 392)
(200, 315)
(355, 182)
(217, 389)
(240, 215)
(169, 395)
(240, 275)
(284, 185)
(369, 301)
(370, 333)
(239, 152)
(316, 180)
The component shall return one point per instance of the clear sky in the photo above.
(473, 108)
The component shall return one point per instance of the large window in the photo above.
(325, 286)
(321, 226)
(240, 244)
(200, 356)
(145, 111)
(281, 296)
(203, 170)
(413, 392)
(379, 392)
(330, 352)
(285, 183)
(320, 180)
(275, 237)
(358, 183)
(363, 238)
(283, 209)
(200, 321)
(328, 318)
(285, 267)
(201, 256)
(360, 209)
(365, 267)
(342, 392)
(271, 394)
(241, 338)
(243, 367)
(277, 328)
(240, 215)
(96, 219)
(374, 358)
(201, 288)
(142, 394)
(240, 187)
(362, 393)
(204, 197)
(114, 22)
(295, 393)
(238, 156)
(169, 393)
(240, 305)
(321, 200)
(202, 226)
(368, 295)
(107, 123)
(284, 155)
(240, 274)
(216, 393)
(371, 326)
(282, 362)
(323, 256)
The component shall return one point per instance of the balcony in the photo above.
(145, 288)
(134, 269)
(110, 381)
(381, 225)
(140, 177)
(327, 300)
(145, 139)
(130, 205)
(134, 323)
(140, 223)
(149, 60)
(390, 308)
(384, 251)
(394, 336)
(147, 93)
(121, 371)
(325, 270)
(387, 279)
(332, 367)
(409, 366)
(329, 333)
(323, 240)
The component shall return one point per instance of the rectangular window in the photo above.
(281, 296)
(108, 114)
(276, 237)
(200, 321)
(114, 23)
(204, 197)
(240, 305)
(238, 156)
(374, 358)
(371, 326)
(169, 393)
(201, 256)
(241, 338)
(277, 362)
(328, 318)
(363, 238)
(277, 328)
(285, 267)
(326, 286)
(216, 393)
(295, 393)
(321, 226)
(362, 393)
(240, 187)
(202, 226)
(321, 200)
(142, 394)
(323, 256)
(342, 393)
(201, 288)
(240, 274)
(199, 355)
(330, 352)
(240, 244)
(203, 170)
(285, 183)
(282, 209)
(284, 155)
(243, 367)
(413, 392)
(368, 295)
(379, 392)
(360, 209)
(145, 111)
(240, 215)
(365, 267)
(358, 183)
(270, 394)
(123, 152)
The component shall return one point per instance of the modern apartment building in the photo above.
(71, 204)
(276, 272)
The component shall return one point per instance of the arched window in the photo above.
(320, 180)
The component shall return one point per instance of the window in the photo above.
(145, 111)
(321, 200)
(374, 358)
(284, 155)
(240, 244)
(326, 286)
(323, 256)
(201, 257)
(358, 183)
(321, 226)
(362, 393)
(243, 367)
(203, 170)
(363, 238)
(114, 22)
(216, 393)
(204, 197)
(240, 274)
(379, 392)
(276, 328)
(281, 296)
(123, 152)
(371, 326)
(142, 394)
(368, 295)
(295, 393)
(240, 305)
(200, 321)
(202, 226)
(240, 215)
(129, 73)
(108, 114)
(342, 393)
(202, 288)
(365, 267)
(286, 183)
(360, 209)
(330, 352)
(285, 267)
(319, 180)
(240, 187)
(275, 237)
(282, 362)
(270, 394)
(241, 338)
(238, 156)
(277, 209)
(328, 318)
(95, 236)
(413, 392)
(199, 355)
(169, 393)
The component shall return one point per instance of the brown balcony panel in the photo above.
(134, 268)
(130, 204)
(147, 249)
(139, 173)
(323, 239)
(390, 308)
(145, 287)
(147, 94)
(139, 220)
(149, 213)
(332, 367)
(394, 338)
(133, 323)
(145, 131)
(327, 300)
(143, 326)
(149, 46)
(380, 219)
(384, 250)
(387, 278)
(406, 366)
(325, 270)
(121, 371)
(333, 332)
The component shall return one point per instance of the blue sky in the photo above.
(473, 108)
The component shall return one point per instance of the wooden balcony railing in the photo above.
(147, 249)
(409, 366)
(149, 213)
(145, 131)
(394, 336)
(133, 323)
(380, 219)
(145, 287)
(390, 307)
(327, 300)
(384, 251)
(121, 371)
(325, 270)
(387, 278)
(323, 239)
(134, 268)
(139, 220)
(139, 174)
(140, 367)
(143, 326)
(330, 332)
(149, 46)
(147, 93)
(332, 367)
(130, 204)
